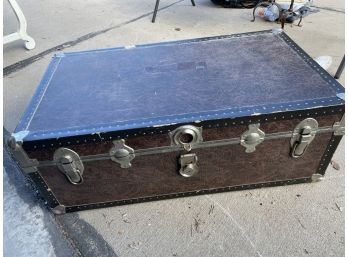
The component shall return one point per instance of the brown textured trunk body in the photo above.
(156, 176)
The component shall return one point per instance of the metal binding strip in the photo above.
(200, 145)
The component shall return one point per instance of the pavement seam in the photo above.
(85, 237)
(66, 235)
(228, 214)
(24, 63)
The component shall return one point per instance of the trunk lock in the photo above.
(186, 136)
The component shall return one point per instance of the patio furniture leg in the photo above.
(155, 11)
(22, 32)
(340, 69)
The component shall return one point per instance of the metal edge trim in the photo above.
(59, 140)
(333, 83)
(186, 118)
(185, 194)
(173, 42)
(329, 152)
(27, 115)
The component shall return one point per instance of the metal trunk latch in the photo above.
(302, 136)
(122, 153)
(70, 164)
(188, 164)
(252, 137)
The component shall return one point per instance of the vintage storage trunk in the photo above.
(126, 125)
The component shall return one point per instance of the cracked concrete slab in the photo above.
(298, 220)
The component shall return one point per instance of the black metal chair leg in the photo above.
(155, 11)
(340, 69)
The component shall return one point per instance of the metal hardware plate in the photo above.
(252, 137)
(302, 136)
(317, 177)
(28, 165)
(122, 154)
(70, 164)
(186, 136)
(59, 209)
(339, 127)
(188, 164)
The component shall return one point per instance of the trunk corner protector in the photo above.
(276, 31)
(341, 96)
(59, 209)
(59, 55)
(19, 136)
(316, 177)
(15, 143)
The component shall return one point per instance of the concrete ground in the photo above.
(298, 220)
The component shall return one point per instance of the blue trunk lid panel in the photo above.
(176, 82)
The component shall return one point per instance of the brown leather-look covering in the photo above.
(154, 175)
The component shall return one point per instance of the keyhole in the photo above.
(186, 138)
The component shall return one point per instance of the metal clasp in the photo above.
(122, 153)
(188, 164)
(338, 127)
(302, 136)
(186, 136)
(252, 137)
(70, 164)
